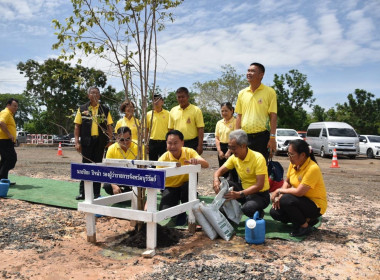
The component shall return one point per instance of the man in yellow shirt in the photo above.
(256, 107)
(93, 126)
(8, 138)
(253, 191)
(188, 119)
(177, 187)
(124, 148)
(159, 122)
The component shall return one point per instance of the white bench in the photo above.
(151, 216)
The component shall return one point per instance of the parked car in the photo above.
(58, 138)
(209, 141)
(21, 137)
(325, 137)
(369, 145)
(302, 134)
(283, 136)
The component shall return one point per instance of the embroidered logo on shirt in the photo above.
(188, 120)
(260, 101)
(300, 178)
(248, 170)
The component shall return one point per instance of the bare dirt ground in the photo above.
(40, 242)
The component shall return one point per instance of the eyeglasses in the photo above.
(291, 155)
(232, 148)
(125, 139)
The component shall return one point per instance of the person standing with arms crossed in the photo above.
(93, 124)
(256, 107)
(188, 119)
(8, 134)
(160, 120)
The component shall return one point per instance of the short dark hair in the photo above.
(301, 146)
(228, 105)
(174, 132)
(10, 100)
(182, 89)
(262, 68)
(124, 129)
(125, 104)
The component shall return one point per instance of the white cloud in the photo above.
(11, 81)
(27, 9)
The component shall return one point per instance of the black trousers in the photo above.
(253, 202)
(258, 142)
(232, 174)
(172, 196)
(92, 153)
(156, 148)
(295, 210)
(8, 157)
(108, 188)
(192, 143)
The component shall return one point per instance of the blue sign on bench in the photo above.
(146, 178)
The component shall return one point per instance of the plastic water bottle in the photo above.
(255, 230)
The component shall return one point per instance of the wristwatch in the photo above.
(242, 194)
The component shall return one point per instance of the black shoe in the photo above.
(12, 183)
(301, 232)
(313, 222)
(80, 197)
(261, 214)
(181, 219)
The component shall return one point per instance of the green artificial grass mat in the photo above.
(62, 194)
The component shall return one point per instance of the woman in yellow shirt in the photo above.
(222, 132)
(302, 198)
(128, 108)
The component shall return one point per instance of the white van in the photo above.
(324, 137)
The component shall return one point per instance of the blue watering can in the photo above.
(4, 187)
(255, 230)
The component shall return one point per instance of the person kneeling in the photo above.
(302, 198)
(253, 190)
(123, 148)
(177, 187)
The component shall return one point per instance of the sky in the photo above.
(336, 44)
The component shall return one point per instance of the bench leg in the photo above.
(90, 226)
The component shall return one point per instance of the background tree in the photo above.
(26, 107)
(210, 119)
(57, 89)
(224, 89)
(361, 111)
(293, 93)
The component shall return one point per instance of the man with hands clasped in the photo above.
(177, 187)
(253, 191)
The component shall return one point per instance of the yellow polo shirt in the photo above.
(310, 174)
(186, 154)
(131, 124)
(116, 152)
(6, 116)
(186, 120)
(255, 108)
(94, 126)
(223, 129)
(254, 164)
(159, 124)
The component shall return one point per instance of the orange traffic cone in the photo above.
(334, 163)
(59, 153)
